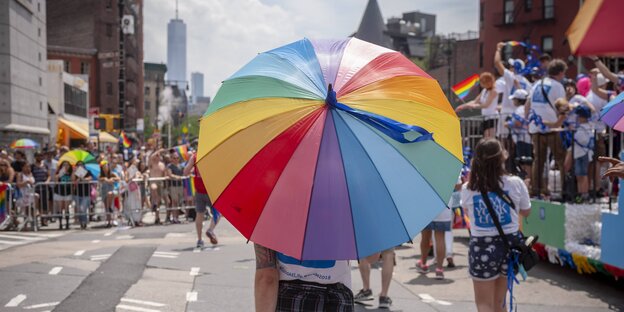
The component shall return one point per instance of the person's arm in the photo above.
(266, 282)
(557, 124)
(189, 165)
(498, 62)
(604, 70)
(616, 170)
(595, 88)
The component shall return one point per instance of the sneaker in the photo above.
(363, 295)
(200, 244)
(439, 274)
(384, 302)
(422, 268)
(212, 237)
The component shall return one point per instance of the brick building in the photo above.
(154, 80)
(541, 22)
(85, 35)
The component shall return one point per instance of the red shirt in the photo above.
(199, 183)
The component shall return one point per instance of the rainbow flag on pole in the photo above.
(125, 140)
(182, 150)
(463, 88)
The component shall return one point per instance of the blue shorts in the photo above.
(487, 256)
(439, 226)
(581, 166)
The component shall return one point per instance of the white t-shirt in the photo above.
(317, 271)
(504, 85)
(554, 90)
(445, 216)
(481, 223)
(582, 138)
(598, 103)
(524, 83)
(520, 134)
(490, 111)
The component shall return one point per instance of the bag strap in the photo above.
(546, 96)
(494, 216)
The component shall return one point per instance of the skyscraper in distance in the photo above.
(197, 86)
(176, 51)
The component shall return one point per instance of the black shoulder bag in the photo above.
(526, 255)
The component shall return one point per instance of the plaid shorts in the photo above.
(304, 296)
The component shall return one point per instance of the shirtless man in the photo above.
(157, 169)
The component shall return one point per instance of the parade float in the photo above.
(587, 237)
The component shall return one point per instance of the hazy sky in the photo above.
(223, 35)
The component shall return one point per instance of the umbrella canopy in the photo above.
(322, 172)
(597, 29)
(613, 112)
(24, 143)
(90, 162)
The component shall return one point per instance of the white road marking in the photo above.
(174, 235)
(42, 305)
(42, 235)
(79, 253)
(191, 296)
(194, 271)
(29, 238)
(197, 250)
(143, 302)
(133, 308)
(10, 242)
(165, 256)
(124, 237)
(427, 298)
(167, 253)
(99, 257)
(16, 301)
(95, 241)
(55, 270)
(109, 233)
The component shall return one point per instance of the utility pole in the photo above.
(449, 54)
(122, 66)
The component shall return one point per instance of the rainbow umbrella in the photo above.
(330, 149)
(613, 112)
(90, 162)
(597, 29)
(24, 143)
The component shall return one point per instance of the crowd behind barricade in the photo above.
(549, 124)
(83, 185)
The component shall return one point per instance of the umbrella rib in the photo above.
(344, 171)
(409, 238)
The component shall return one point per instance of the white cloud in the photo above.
(223, 35)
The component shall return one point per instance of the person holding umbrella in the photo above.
(82, 178)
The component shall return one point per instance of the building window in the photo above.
(547, 44)
(147, 90)
(75, 101)
(109, 4)
(39, 6)
(40, 106)
(39, 56)
(157, 91)
(528, 5)
(66, 66)
(481, 54)
(147, 105)
(549, 9)
(109, 88)
(84, 68)
(509, 12)
(109, 110)
(39, 32)
(507, 51)
(40, 81)
(109, 30)
(481, 14)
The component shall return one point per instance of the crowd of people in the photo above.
(46, 188)
(548, 121)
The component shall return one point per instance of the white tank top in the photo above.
(317, 271)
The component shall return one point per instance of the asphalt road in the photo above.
(157, 268)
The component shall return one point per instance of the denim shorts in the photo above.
(202, 201)
(581, 166)
(488, 255)
(439, 226)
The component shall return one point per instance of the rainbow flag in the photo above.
(3, 205)
(125, 140)
(515, 43)
(182, 151)
(463, 88)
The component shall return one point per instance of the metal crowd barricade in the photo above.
(10, 213)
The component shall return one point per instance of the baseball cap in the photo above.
(519, 94)
(582, 111)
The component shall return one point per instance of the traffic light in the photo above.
(117, 123)
(99, 123)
